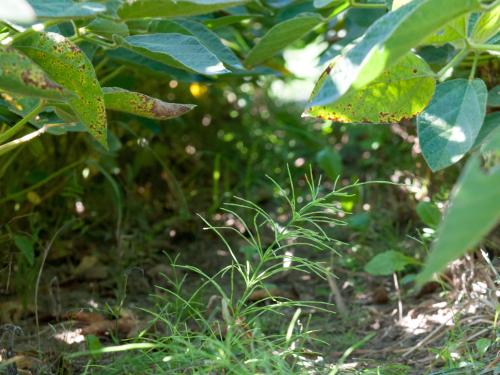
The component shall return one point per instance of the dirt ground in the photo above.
(98, 296)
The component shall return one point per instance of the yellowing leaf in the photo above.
(487, 25)
(387, 40)
(69, 66)
(20, 75)
(118, 99)
(400, 92)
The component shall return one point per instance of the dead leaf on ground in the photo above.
(380, 295)
(96, 324)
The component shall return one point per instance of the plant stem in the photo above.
(40, 183)
(484, 47)
(453, 62)
(490, 5)
(356, 4)
(31, 30)
(15, 129)
(474, 66)
(112, 75)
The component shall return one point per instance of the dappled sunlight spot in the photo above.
(142, 142)
(190, 150)
(85, 173)
(424, 322)
(222, 253)
(287, 259)
(299, 162)
(217, 68)
(70, 337)
(79, 207)
(457, 135)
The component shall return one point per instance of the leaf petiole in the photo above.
(484, 47)
(9, 133)
(457, 59)
(357, 4)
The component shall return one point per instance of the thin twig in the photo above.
(398, 293)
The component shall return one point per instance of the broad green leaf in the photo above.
(487, 25)
(494, 96)
(330, 162)
(449, 125)
(172, 8)
(66, 8)
(69, 66)
(17, 11)
(107, 27)
(20, 75)
(26, 246)
(401, 92)
(473, 211)
(388, 262)
(491, 122)
(204, 35)
(178, 50)
(280, 36)
(147, 65)
(327, 3)
(453, 32)
(216, 23)
(118, 99)
(387, 41)
(429, 213)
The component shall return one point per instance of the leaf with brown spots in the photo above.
(402, 91)
(122, 100)
(66, 64)
(20, 75)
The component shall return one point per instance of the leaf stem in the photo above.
(40, 183)
(9, 133)
(112, 75)
(484, 47)
(31, 30)
(356, 4)
(6, 147)
(474, 66)
(453, 62)
(491, 5)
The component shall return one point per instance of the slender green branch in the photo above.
(474, 66)
(488, 6)
(453, 62)
(484, 47)
(356, 4)
(6, 147)
(9, 133)
(338, 10)
(40, 183)
(31, 29)
(112, 75)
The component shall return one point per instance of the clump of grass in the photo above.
(193, 336)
